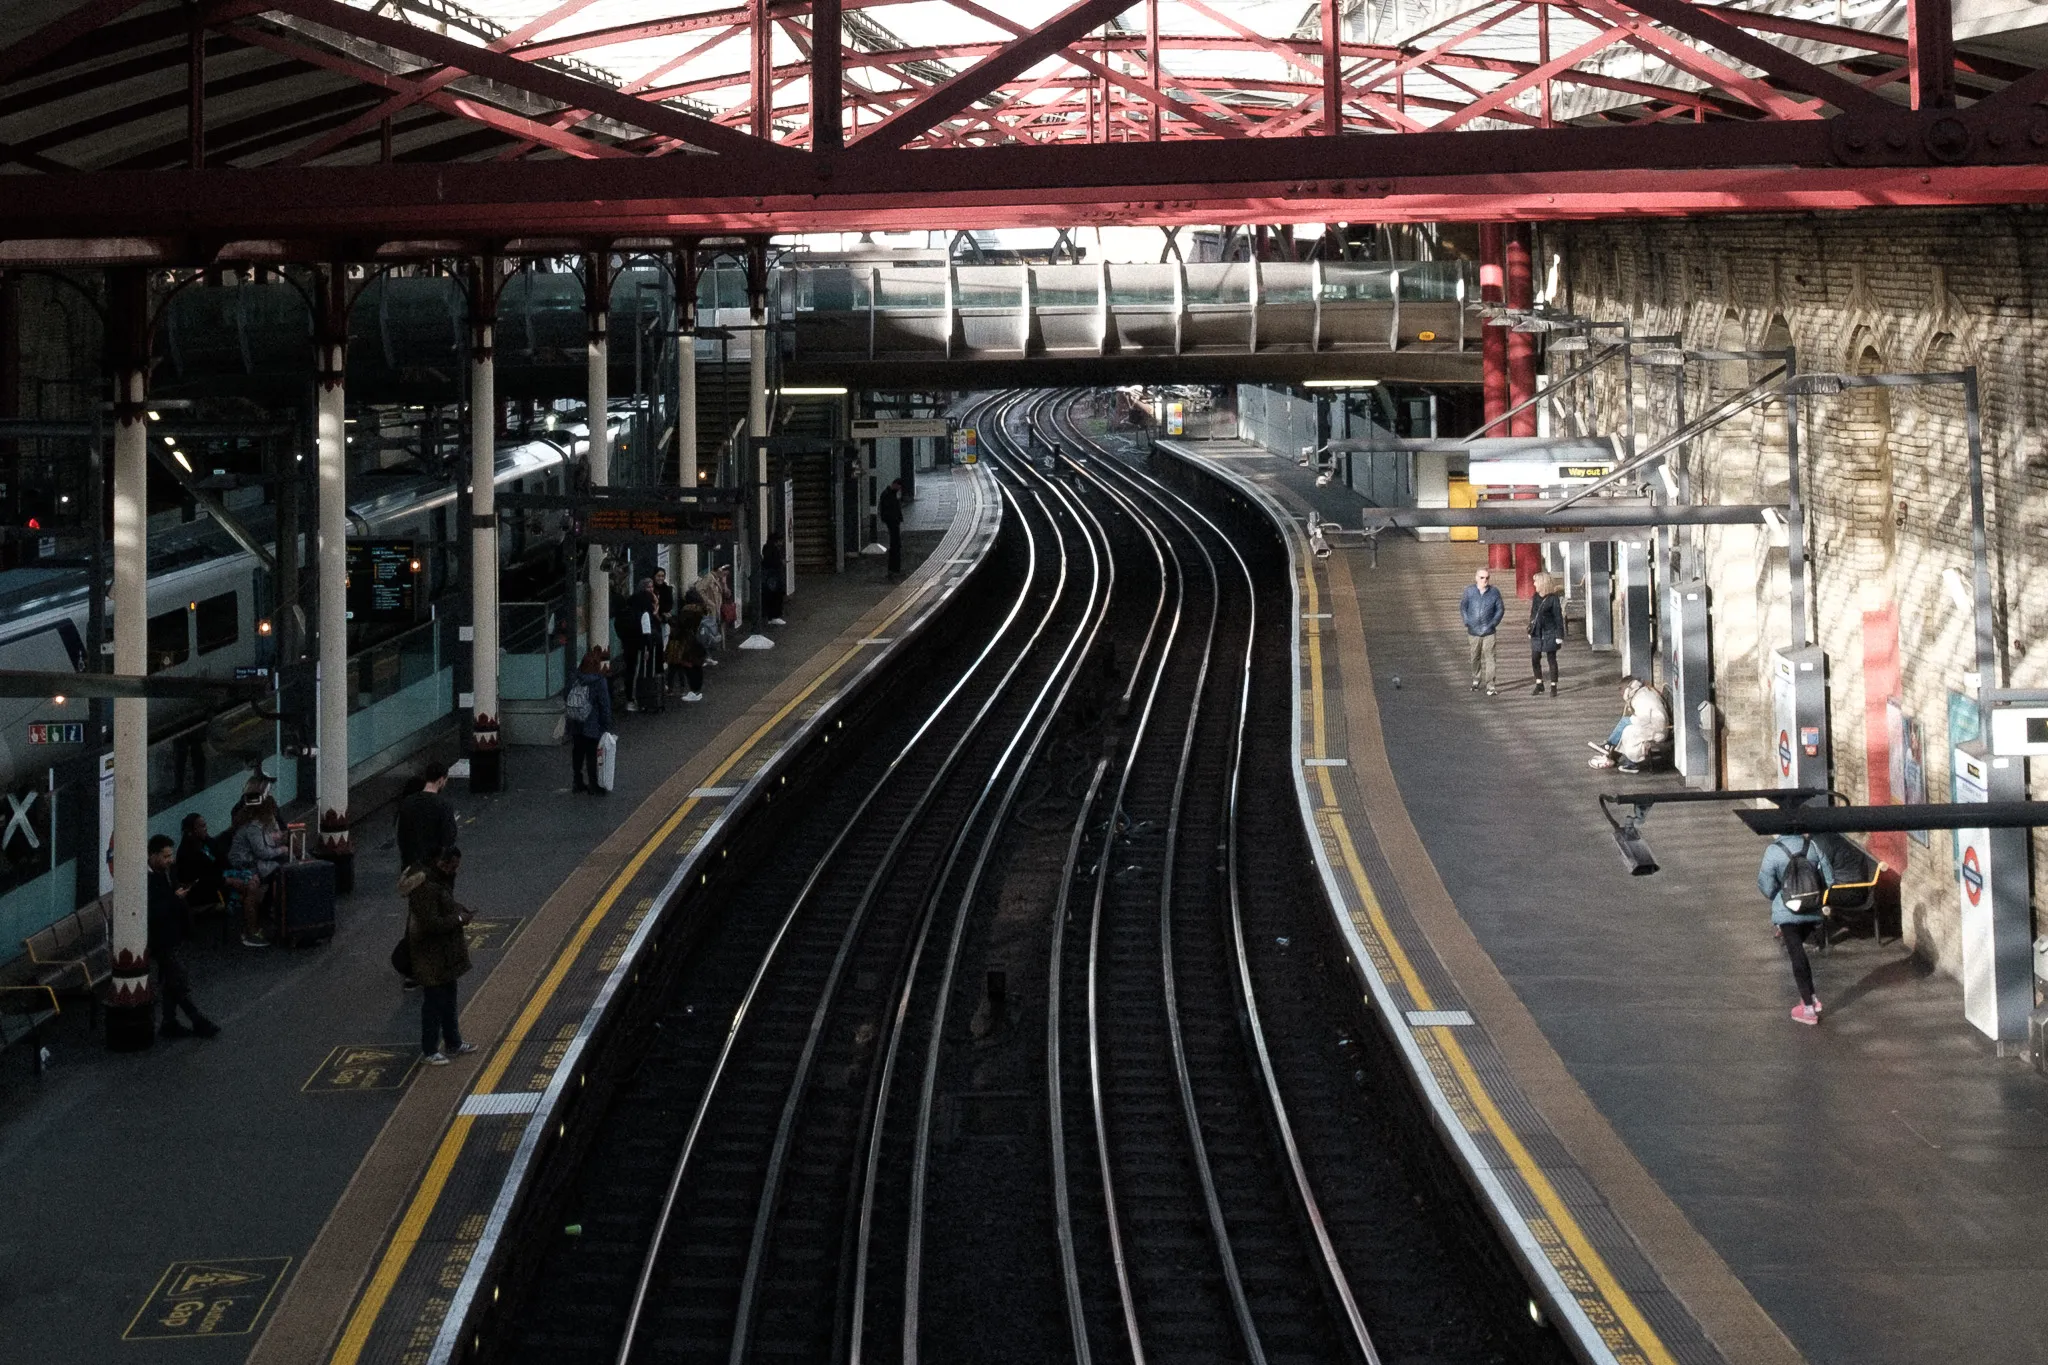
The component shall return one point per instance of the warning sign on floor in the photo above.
(364, 1066)
(488, 934)
(209, 1299)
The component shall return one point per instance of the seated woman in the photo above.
(196, 868)
(259, 850)
(1644, 728)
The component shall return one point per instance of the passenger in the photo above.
(426, 819)
(711, 590)
(1645, 725)
(197, 867)
(643, 651)
(774, 578)
(440, 951)
(686, 648)
(1546, 630)
(889, 507)
(260, 850)
(1482, 610)
(665, 613)
(587, 706)
(1794, 877)
(168, 922)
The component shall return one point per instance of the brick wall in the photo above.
(1885, 473)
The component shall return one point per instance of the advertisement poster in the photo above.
(966, 446)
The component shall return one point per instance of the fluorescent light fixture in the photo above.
(1340, 383)
(1569, 343)
(183, 463)
(155, 416)
(817, 391)
(1667, 356)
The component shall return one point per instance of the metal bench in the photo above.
(23, 1012)
(1854, 899)
(74, 957)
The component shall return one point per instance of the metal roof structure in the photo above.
(195, 130)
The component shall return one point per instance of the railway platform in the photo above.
(299, 1188)
(1868, 1191)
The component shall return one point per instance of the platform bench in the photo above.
(74, 956)
(1854, 898)
(23, 1012)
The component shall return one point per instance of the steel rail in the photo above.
(1184, 1080)
(884, 1078)
(1339, 1282)
(694, 1132)
(1056, 1109)
(927, 1093)
(799, 1086)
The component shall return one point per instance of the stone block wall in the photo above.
(1884, 472)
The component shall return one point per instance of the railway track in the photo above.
(1024, 1045)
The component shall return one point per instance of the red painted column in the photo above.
(1493, 358)
(1521, 364)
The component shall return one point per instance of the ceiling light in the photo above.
(817, 391)
(1569, 343)
(183, 463)
(1340, 383)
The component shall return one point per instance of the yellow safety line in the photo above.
(357, 1334)
(1532, 1175)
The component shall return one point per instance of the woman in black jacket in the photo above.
(1546, 629)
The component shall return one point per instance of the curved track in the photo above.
(1021, 1046)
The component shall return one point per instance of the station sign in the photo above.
(1536, 473)
(2020, 731)
(966, 446)
(899, 428)
(383, 582)
(614, 525)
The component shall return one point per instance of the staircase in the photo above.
(812, 540)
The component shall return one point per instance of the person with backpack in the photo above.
(587, 707)
(1795, 877)
(437, 951)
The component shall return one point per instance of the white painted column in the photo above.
(757, 429)
(597, 613)
(130, 1018)
(331, 438)
(686, 432)
(483, 501)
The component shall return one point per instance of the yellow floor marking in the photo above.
(357, 1334)
(1581, 1246)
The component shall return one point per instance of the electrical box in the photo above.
(2020, 731)
(1799, 717)
(1692, 684)
(1633, 583)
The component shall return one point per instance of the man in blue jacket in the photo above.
(1482, 609)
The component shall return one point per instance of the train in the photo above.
(205, 619)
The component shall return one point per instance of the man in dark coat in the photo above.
(435, 922)
(167, 925)
(889, 507)
(426, 819)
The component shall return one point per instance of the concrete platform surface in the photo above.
(1878, 1184)
(162, 1205)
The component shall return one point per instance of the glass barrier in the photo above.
(1066, 286)
(532, 662)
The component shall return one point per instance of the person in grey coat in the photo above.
(1482, 611)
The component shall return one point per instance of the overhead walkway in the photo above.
(1870, 1191)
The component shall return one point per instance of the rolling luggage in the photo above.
(648, 693)
(608, 761)
(305, 902)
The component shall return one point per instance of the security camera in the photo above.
(1635, 852)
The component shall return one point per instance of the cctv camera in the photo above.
(1635, 852)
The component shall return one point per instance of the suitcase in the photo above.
(305, 902)
(648, 693)
(608, 761)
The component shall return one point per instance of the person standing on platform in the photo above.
(643, 657)
(426, 819)
(587, 709)
(774, 579)
(665, 619)
(1794, 877)
(1482, 611)
(1546, 630)
(889, 507)
(686, 648)
(168, 921)
(711, 591)
(434, 930)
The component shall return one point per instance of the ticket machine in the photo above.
(1799, 717)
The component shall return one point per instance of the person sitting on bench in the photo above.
(1644, 728)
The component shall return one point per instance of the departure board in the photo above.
(643, 522)
(383, 581)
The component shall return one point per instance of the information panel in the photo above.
(615, 524)
(383, 582)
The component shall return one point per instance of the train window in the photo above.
(170, 643)
(219, 622)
